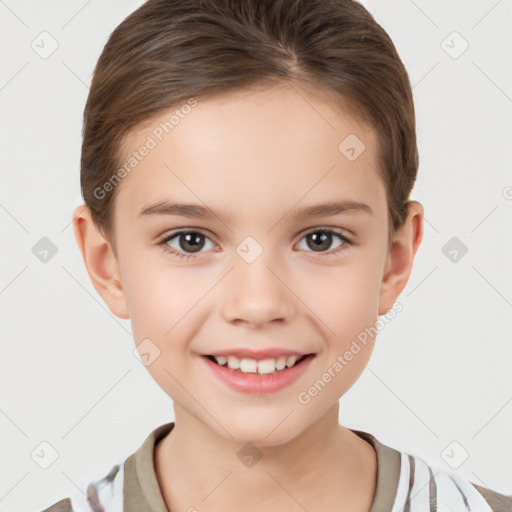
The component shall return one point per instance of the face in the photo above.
(255, 271)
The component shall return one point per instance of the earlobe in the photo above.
(398, 267)
(100, 262)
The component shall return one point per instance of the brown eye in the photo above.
(321, 240)
(191, 242)
(185, 242)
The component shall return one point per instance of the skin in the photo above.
(230, 154)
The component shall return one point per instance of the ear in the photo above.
(398, 266)
(100, 261)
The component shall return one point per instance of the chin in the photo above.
(263, 431)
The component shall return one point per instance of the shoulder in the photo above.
(444, 490)
(497, 501)
(102, 493)
(405, 482)
(61, 506)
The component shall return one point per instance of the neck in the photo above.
(326, 463)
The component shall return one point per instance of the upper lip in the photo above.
(258, 354)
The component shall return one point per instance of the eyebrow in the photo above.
(197, 211)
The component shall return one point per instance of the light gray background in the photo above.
(440, 372)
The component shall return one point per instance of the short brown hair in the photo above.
(168, 51)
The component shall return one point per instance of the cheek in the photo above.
(343, 299)
(158, 307)
(162, 311)
(155, 292)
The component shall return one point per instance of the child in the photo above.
(255, 131)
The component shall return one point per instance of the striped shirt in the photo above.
(405, 483)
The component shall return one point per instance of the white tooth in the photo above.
(264, 366)
(233, 362)
(248, 365)
(291, 361)
(280, 363)
(267, 366)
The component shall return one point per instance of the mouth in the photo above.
(258, 376)
(269, 366)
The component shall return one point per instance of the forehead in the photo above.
(253, 151)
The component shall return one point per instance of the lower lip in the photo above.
(254, 382)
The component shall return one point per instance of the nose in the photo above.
(257, 293)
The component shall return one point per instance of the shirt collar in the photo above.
(142, 492)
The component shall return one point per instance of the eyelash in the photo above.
(167, 238)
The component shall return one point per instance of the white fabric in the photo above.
(449, 498)
(110, 495)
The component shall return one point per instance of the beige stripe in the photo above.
(388, 473)
(141, 491)
(412, 473)
(432, 487)
(133, 498)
